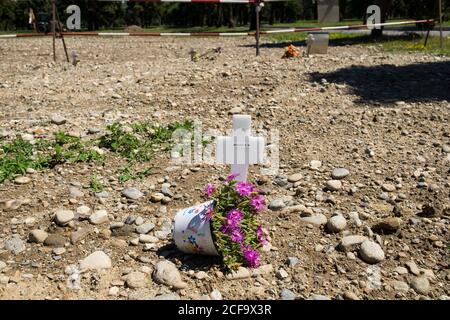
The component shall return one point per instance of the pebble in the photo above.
(145, 238)
(59, 251)
(96, 261)
(138, 221)
(400, 286)
(167, 273)
(315, 164)
(401, 270)
(287, 294)
(167, 296)
(58, 120)
(348, 243)
(132, 193)
(124, 231)
(240, 273)
(333, 185)
(318, 297)
(74, 192)
(83, 211)
(292, 261)
(412, 267)
(276, 204)
(446, 148)
(388, 225)
(282, 274)
(99, 217)
(216, 295)
(339, 173)
(317, 219)
(14, 244)
(354, 217)
(37, 236)
(55, 241)
(388, 187)
(336, 223)
(156, 197)
(295, 177)
(2, 265)
(22, 180)
(348, 295)
(113, 291)
(145, 228)
(79, 235)
(371, 252)
(136, 280)
(421, 285)
(63, 217)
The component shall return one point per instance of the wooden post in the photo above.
(257, 8)
(440, 25)
(54, 28)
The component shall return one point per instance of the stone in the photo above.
(412, 267)
(295, 177)
(22, 180)
(339, 173)
(156, 197)
(318, 297)
(124, 231)
(74, 192)
(276, 204)
(2, 266)
(387, 226)
(333, 185)
(354, 217)
(348, 295)
(215, 295)
(401, 270)
(14, 244)
(446, 148)
(113, 291)
(240, 273)
(145, 238)
(420, 285)
(399, 286)
(96, 261)
(145, 228)
(371, 252)
(138, 221)
(336, 223)
(59, 251)
(83, 212)
(79, 235)
(292, 261)
(282, 274)
(315, 164)
(37, 236)
(317, 219)
(349, 243)
(388, 187)
(132, 193)
(136, 280)
(166, 296)
(99, 217)
(287, 294)
(166, 273)
(55, 241)
(58, 120)
(63, 217)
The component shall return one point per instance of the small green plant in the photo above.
(127, 173)
(96, 185)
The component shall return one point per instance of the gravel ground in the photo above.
(376, 228)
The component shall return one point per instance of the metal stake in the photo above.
(440, 25)
(54, 28)
(258, 6)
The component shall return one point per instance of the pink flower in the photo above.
(209, 214)
(236, 235)
(260, 235)
(232, 220)
(251, 256)
(244, 188)
(209, 190)
(231, 177)
(258, 202)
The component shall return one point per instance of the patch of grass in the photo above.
(95, 184)
(18, 155)
(127, 173)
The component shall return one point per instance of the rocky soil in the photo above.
(359, 208)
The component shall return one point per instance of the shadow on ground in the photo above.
(345, 40)
(420, 82)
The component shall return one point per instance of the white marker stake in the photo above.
(241, 149)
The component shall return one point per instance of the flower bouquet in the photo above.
(226, 225)
(291, 52)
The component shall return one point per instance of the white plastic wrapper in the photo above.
(192, 230)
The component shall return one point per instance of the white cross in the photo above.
(241, 149)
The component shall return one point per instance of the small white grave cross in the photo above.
(241, 149)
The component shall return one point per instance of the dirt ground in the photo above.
(382, 116)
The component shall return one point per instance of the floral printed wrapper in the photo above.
(192, 230)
